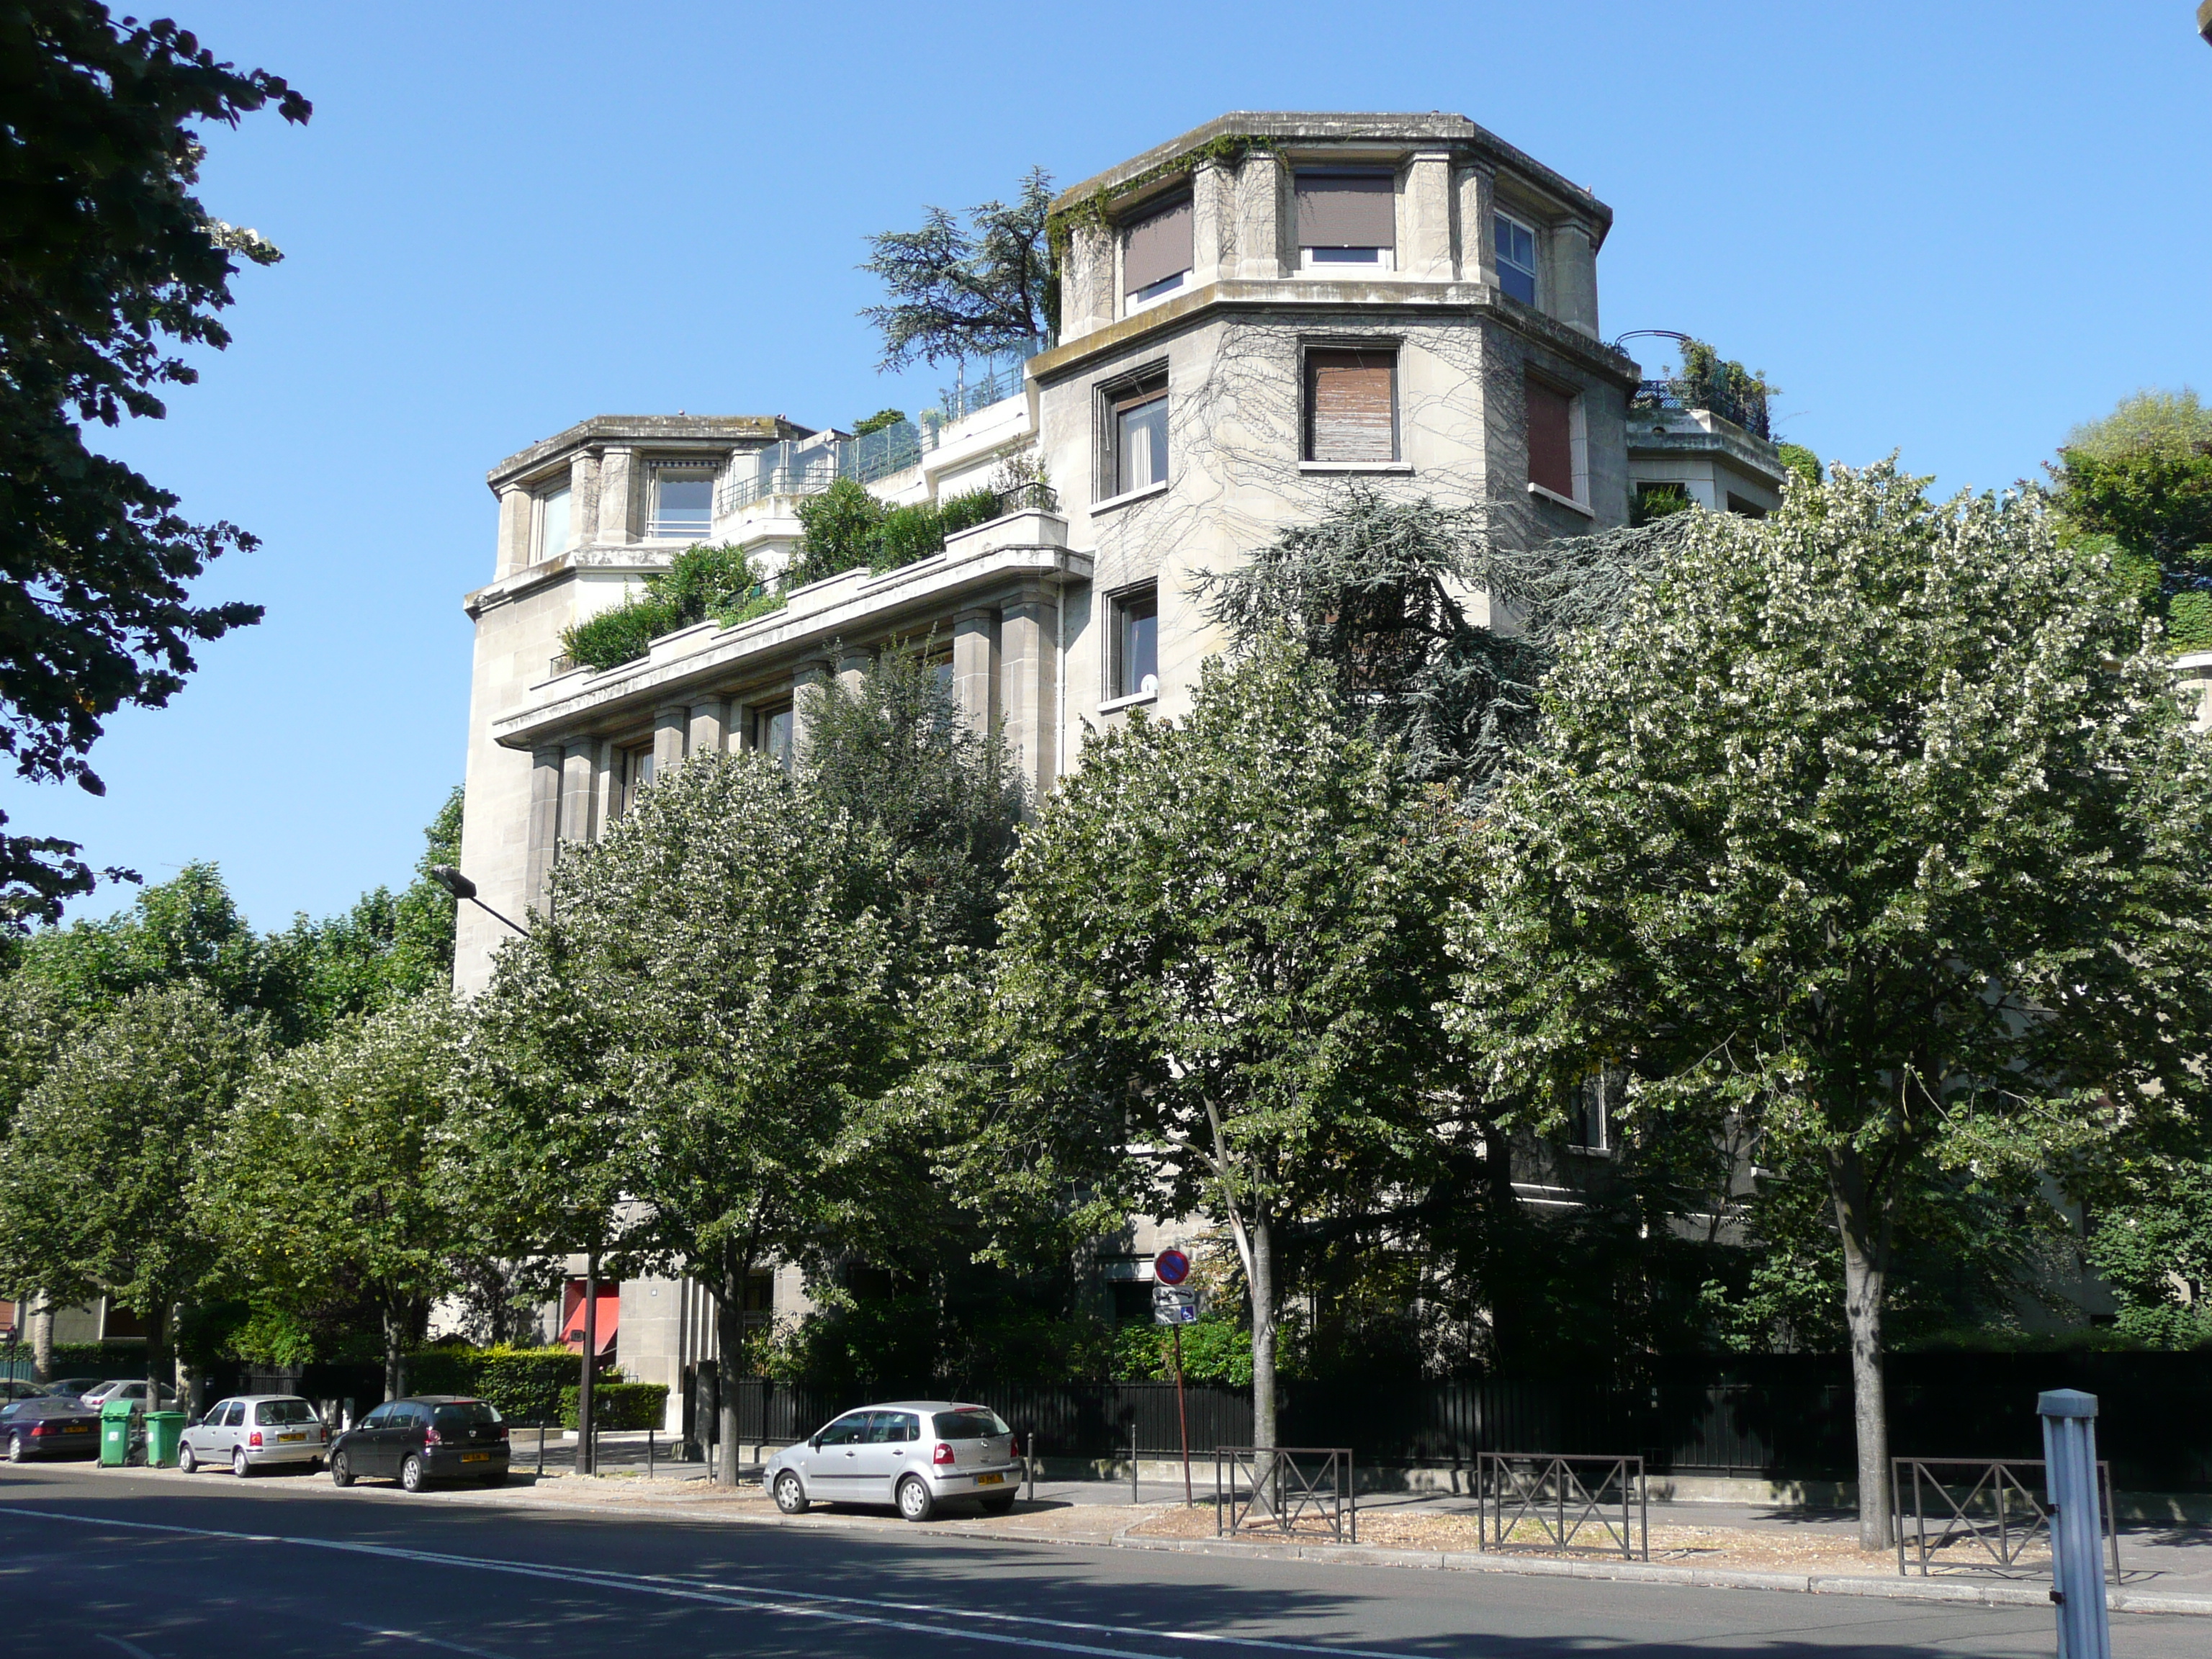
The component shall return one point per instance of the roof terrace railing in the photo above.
(1748, 412)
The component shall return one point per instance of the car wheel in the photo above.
(411, 1473)
(914, 1503)
(998, 1505)
(341, 1470)
(187, 1463)
(15, 1451)
(790, 1495)
(239, 1466)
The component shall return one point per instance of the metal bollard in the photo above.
(541, 1451)
(1134, 1498)
(2077, 1531)
(648, 1454)
(1030, 1462)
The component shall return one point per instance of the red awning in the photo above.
(572, 1322)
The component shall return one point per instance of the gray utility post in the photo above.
(2077, 1531)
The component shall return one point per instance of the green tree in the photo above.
(965, 293)
(109, 259)
(2138, 483)
(2152, 1242)
(1217, 968)
(95, 1187)
(185, 929)
(1875, 824)
(330, 1181)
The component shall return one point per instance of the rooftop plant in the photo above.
(849, 529)
(721, 582)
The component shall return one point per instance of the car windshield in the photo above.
(284, 1411)
(462, 1414)
(969, 1422)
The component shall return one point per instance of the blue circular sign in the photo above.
(1171, 1266)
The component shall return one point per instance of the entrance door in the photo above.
(888, 1447)
(832, 1469)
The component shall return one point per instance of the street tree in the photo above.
(112, 265)
(330, 1181)
(960, 292)
(95, 1183)
(1875, 824)
(1221, 944)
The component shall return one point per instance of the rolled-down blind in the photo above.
(1347, 210)
(1158, 247)
(1551, 438)
(1351, 409)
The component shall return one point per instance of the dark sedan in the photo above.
(50, 1426)
(432, 1437)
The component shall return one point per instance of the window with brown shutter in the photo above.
(1551, 438)
(1156, 251)
(1349, 218)
(1351, 404)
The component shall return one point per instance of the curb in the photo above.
(1373, 1555)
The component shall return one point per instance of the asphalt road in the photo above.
(100, 1564)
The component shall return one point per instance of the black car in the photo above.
(431, 1437)
(50, 1426)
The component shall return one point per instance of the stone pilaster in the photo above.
(975, 667)
(1086, 292)
(514, 513)
(1028, 657)
(852, 669)
(1573, 298)
(1477, 249)
(620, 487)
(545, 824)
(584, 498)
(710, 728)
(579, 792)
(806, 683)
(668, 725)
(1424, 216)
(1213, 223)
(1264, 202)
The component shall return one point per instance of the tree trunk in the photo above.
(1502, 1219)
(395, 1352)
(586, 1459)
(1261, 1269)
(730, 1358)
(1866, 1270)
(42, 1337)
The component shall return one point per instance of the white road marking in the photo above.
(717, 1596)
(427, 1641)
(134, 1652)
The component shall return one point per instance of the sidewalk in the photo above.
(2163, 1569)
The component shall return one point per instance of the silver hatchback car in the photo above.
(252, 1431)
(916, 1454)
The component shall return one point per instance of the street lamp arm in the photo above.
(462, 888)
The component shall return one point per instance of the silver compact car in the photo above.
(252, 1431)
(916, 1454)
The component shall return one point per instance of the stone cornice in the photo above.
(1369, 302)
(629, 558)
(715, 433)
(1289, 129)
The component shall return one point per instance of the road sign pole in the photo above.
(1182, 1416)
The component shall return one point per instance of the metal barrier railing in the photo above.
(1559, 1496)
(1274, 1488)
(1997, 1512)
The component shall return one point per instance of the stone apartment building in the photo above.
(1250, 314)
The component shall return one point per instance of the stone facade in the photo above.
(1450, 278)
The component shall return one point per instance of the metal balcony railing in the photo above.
(1749, 413)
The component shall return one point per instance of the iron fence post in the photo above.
(2077, 1572)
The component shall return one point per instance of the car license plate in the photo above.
(77, 1428)
(291, 1437)
(475, 1457)
(989, 1479)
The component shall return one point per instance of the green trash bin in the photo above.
(115, 1417)
(163, 1430)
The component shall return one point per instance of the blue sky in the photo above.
(1951, 230)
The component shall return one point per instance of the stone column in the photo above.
(1213, 223)
(668, 725)
(584, 499)
(710, 733)
(514, 514)
(1477, 249)
(1425, 216)
(619, 488)
(578, 790)
(1028, 666)
(975, 667)
(1573, 299)
(545, 824)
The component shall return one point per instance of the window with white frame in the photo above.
(1155, 253)
(1137, 433)
(1134, 670)
(1347, 216)
(1350, 404)
(1516, 257)
(682, 501)
(553, 526)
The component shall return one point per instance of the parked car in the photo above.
(137, 1393)
(74, 1388)
(50, 1426)
(915, 1454)
(252, 1431)
(17, 1387)
(431, 1437)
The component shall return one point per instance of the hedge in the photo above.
(620, 1405)
(100, 1359)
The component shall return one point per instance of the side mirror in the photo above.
(816, 1442)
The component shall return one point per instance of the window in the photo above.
(553, 523)
(1135, 671)
(234, 1416)
(1140, 435)
(1347, 216)
(849, 1429)
(1351, 404)
(1551, 438)
(267, 1412)
(1516, 259)
(1590, 1124)
(969, 1422)
(682, 501)
(636, 773)
(1744, 508)
(772, 734)
(1155, 253)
